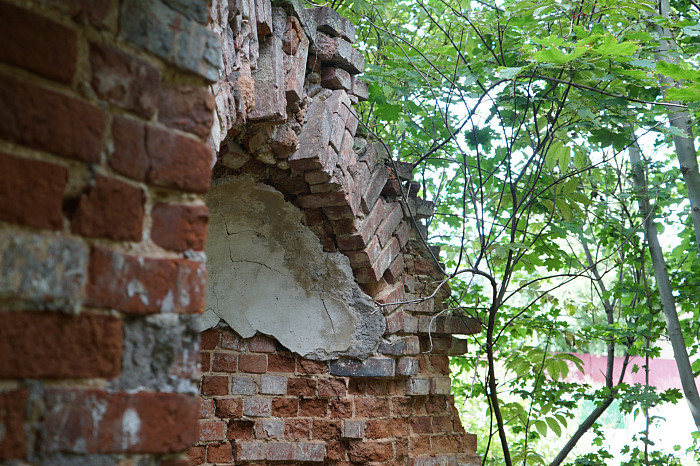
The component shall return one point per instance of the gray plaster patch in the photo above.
(41, 271)
(160, 353)
(268, 273)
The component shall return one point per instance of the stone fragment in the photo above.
(296, 72)
(270, 101)
(312, 153)
(328, 21)
(335, 78)
(359, 89)
(42, 272)
(420, 208)
(263, 17)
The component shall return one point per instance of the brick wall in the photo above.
(104, 112)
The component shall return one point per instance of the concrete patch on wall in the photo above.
(269, 274)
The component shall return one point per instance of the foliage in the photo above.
(517, 116)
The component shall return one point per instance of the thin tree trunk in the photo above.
(680, 119)
(663, 282)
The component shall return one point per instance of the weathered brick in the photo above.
(242, 385)
(310, 452)
(166, 422)
(214, 385)
(253, 363)
(262, 344)
(110, 208)
(171, 36)
(370, 367)
(37, 44)
(370, 451)
(307, 366)
(219, 453)
(438, 460)
(285, 407)
(209, 339)
(440, 385)
(250, 451)
(374, 188)
(50, 121)
(13, 444)
(399, 346)
(160, 157)
(197, 455)
(269, 428)
(211, 430)
(123, 80)
(224, 362)
(137, 285)
(206, 408)
(359, 89)
(353, 429)
(297, 429)
(240, 430)
(280, 363)
(396, 269)
(179, 227)
(458, 347)
(257, 407)
(406, 367)
(313, 407)
(392, 218)
(229, 407)
(417, 386)
(31, 192)
(325, 429)
(54, 345)
(273, 385)
(400, 321)
(336, 78)
(233, 341)
(386, 428)
(280, 451)
(270, 100)
(331, 388)
(296, 73)
(187, 108)
(313, 141)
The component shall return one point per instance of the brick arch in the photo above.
(286, 119)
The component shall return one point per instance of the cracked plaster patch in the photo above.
(268, 273)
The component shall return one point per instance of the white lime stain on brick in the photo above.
(131, 426)
(135, 287)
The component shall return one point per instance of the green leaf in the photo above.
(685, 94)
(541, 427)
(554, 425)
(509, 73)
(556, 56)
(677, 72)
(610, 47)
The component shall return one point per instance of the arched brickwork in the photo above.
(106, 150)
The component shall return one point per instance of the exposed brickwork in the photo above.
(98, 224)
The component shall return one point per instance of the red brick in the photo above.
(177, 461)
(371, 407)
(50, 121)
(205, 361)
(177, 161)
(214, 385)
(341, 408)
(180, 227)
(396, 269)
(285, 407)
(136, 285)
(53, 345)
(210, 339)
(385, 428)
(219, 453)
(37, 44)
(224, 362)
(313, 407)
(13, 445)
(301, 387)
(211, 430)
(336, 451)
(401, 405)
(280, 451)
(160, 157)
(240, 430)
(280, 363)
(124, 80)
(369, 451)
(307, 366)
(31, 192)
(420, 445)
(323, 429)
(187, 108)
(167, 422)
(197, 455)
(331, 388)
(421, 424)
(297, 429)
(110, 209)
(253, 363)
(227, 408)
(261, 344)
